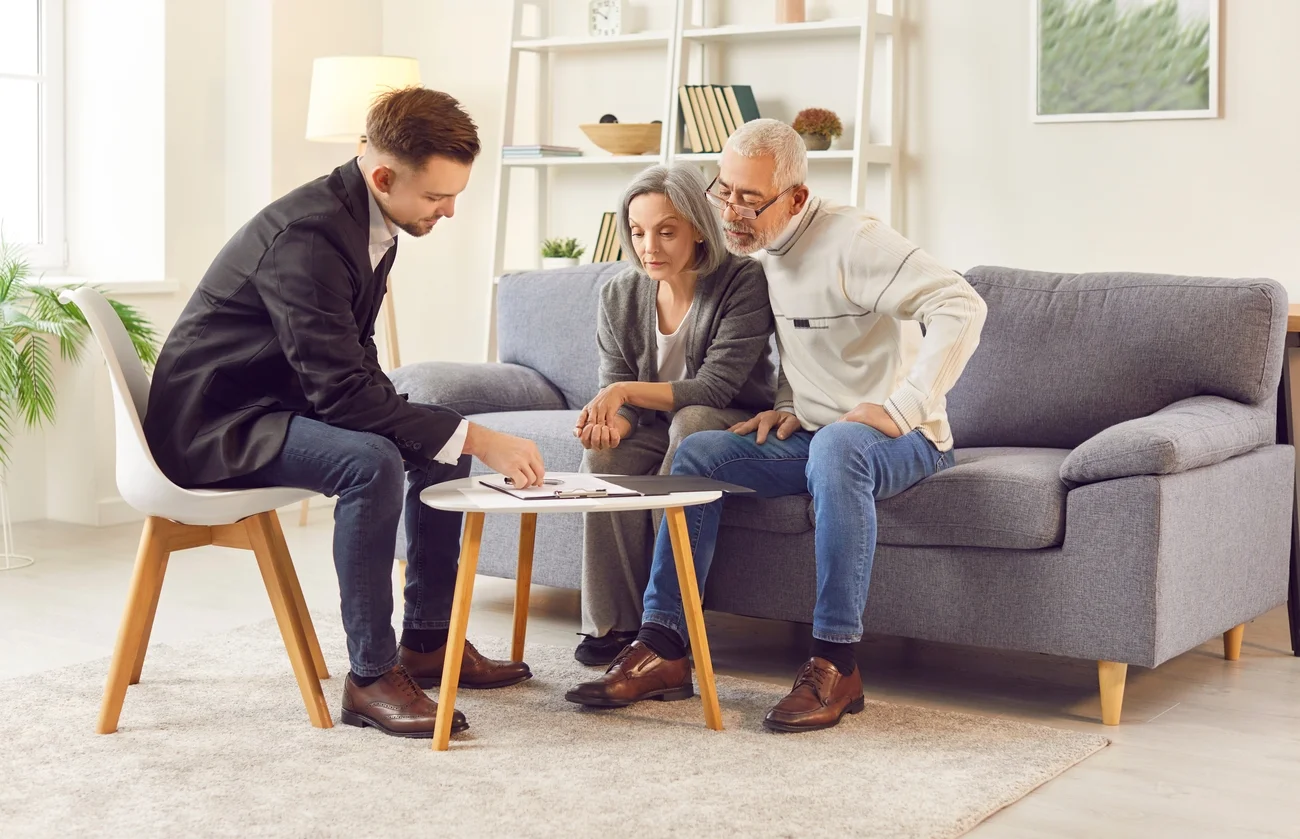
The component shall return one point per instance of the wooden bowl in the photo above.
(625, 137)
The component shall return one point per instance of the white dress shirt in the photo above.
(383, 235)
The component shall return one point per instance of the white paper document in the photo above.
(567, 485)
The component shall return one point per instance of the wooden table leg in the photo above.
(523, 582)
(471, 540)
(1288, 413)
(694, 615)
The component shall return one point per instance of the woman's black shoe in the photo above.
(601, 651)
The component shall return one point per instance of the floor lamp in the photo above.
(342, 90)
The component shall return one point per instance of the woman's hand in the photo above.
(602, 437)
(604, 407)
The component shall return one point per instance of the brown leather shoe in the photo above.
(637, 673)
(476, 672)
(819, 698)
(395, 705)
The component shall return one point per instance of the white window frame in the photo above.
(51, 251)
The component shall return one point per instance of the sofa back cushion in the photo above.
(1064, 356)
(546, 320)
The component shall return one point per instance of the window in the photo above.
(31, 142)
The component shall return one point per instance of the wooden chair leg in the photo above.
(694, 615)
(523, 582)
(304, 510)
(1110, 675)
(148, 624)
(1232, 642)
(273, 562)
(299, 602)
(456, 632)
(145, 580)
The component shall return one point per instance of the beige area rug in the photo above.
(214, 741)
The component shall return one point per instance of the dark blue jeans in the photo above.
(846, 466)
(366, 473)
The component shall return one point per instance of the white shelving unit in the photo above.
(685, 48)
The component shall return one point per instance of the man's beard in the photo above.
(414, 228)
(756, 240)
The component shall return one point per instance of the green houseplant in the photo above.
(818, 127)
(32, 319)
(561, 253)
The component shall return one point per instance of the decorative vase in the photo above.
(816, 142)
(549, 262)
(789, 11)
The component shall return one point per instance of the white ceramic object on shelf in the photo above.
(558, 262)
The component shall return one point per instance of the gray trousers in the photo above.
(617, 548)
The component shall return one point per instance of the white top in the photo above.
(383, 235)
(848, 293)
(469, 496)
(672, 349)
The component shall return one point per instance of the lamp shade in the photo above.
(344, 87)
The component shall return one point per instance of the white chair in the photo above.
(179, 519)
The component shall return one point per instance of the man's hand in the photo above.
(601, 437)
(604, 407)
(516, 458)
(875, 416)
(784, 422)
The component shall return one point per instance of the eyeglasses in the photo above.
(740, 209)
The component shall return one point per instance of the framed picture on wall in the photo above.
(1100, 60)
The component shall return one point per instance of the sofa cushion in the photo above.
(991, 498)
(1065, 356)
(552, 431)
(477, 388)
(546, 320)
(788, 514)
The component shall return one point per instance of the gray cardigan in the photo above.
(728, 355)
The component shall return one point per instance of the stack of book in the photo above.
(711, 113)
(517, 152)
(608, 247)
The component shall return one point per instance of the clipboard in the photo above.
(559, 489)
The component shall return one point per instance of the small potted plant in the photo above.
(561, 253)
(818, 127)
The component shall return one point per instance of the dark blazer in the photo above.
(282, 324)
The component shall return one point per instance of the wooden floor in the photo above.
(1208, 748)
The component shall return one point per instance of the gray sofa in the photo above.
(1118, 494)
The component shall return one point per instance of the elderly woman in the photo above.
(683, 337)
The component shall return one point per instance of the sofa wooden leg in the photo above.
(1110, 675)
(1232, 642)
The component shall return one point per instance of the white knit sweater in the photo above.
(848, 293)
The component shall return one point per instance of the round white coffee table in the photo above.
(468, 496)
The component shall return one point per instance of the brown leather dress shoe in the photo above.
(821, 696)
(395, 705)
(636, 674)
(476, 672)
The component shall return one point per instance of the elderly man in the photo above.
(859, 415)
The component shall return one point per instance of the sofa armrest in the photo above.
(1190, 433)
(483, 388)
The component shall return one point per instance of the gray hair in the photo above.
(769, 136)
(684, 187)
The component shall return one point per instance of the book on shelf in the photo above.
(608, 247)
(712, 113)
(540, 151)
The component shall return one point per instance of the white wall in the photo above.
(1213, 197)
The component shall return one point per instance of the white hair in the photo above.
(770, 136)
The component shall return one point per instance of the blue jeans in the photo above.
(846, 466)
(366, 472)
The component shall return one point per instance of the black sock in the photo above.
(662, 641)
(841, 655)
(364, 681)
(424, 640)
